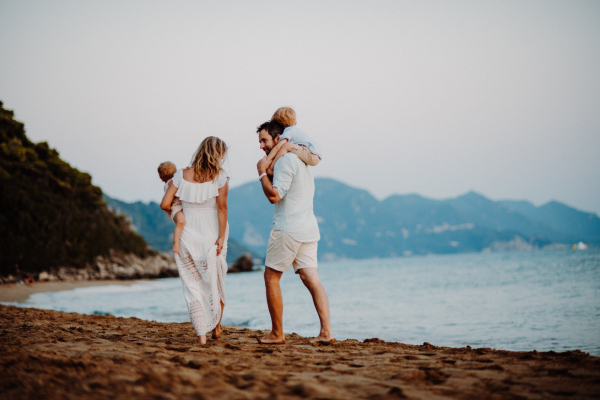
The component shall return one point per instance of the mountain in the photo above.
(354, 224)
(148, 220)
(50, 213)
(567, 222)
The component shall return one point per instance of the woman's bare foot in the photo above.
(217, 332)
(271, 339)
(202, 339)
(176, 248)
(323, 339)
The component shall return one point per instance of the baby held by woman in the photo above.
(166, 171)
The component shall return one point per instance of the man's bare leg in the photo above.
(275, 302)
(310, 278)
(218, 330)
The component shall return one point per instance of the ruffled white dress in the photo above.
(202, 272)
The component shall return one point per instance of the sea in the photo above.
(542, 300)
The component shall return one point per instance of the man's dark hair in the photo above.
(273, 127)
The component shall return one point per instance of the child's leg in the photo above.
(305, 155)
(179, 220)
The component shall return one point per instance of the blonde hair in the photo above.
(166, 171)
(206, 162)
(285, 116)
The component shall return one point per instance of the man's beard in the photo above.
(268, 151)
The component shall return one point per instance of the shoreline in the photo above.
(55, 355)
(12, 292)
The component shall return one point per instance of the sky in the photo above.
(430, 97)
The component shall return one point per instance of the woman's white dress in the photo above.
(202, 272)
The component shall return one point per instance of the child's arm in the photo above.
(276, 150)
(165, 204)
(287, 147)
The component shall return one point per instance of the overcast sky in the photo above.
(435, 98)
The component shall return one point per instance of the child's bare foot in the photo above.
(217, 332)
(202, 339)
(176, 248)
(271, 339)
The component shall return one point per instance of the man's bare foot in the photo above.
(176, 248)
(217, 332)
(271, 339)
(202, 339)
(323, 339)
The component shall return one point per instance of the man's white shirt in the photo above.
(296, 187)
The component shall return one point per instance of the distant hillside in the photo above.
(354, 224)
(50, 213)
(148, 220)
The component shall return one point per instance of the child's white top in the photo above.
(295, 135)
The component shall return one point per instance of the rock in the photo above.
(44, 276)
(115, 266)
(242, 264)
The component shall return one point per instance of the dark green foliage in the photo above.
(50, 213)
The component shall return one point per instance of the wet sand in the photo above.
(10, 292)
(56, 355)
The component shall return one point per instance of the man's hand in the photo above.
(262, 165)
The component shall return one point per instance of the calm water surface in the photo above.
(544, 300)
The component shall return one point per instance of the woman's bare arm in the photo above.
(222, 214)
(165, 204)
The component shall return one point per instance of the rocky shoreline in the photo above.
(118, 267)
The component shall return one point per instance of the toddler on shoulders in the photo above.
(166, 171)
(293, 140)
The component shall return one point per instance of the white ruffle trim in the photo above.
(197, 192)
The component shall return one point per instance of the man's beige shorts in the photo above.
(283, 251)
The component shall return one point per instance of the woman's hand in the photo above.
(220, 242)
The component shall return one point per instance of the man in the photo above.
(295, 234)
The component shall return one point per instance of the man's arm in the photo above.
(270, 191)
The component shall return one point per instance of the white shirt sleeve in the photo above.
(287, 134)
(284, 173)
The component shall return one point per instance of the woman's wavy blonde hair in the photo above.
(207, 160)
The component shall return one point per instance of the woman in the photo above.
(202, 189)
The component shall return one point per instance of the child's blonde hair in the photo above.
(207, 160)
(166, 171)
(285, 116)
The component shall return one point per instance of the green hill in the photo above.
(50, 213)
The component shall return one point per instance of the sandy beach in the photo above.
(11, 292)
(57, 355)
